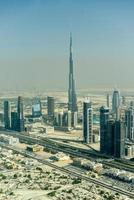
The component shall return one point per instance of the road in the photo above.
(72, 173)
(71, 150)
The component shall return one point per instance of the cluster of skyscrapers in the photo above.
(14, 120)
(112, 134)
(115, 127)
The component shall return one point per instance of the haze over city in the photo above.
(34, 38)
(66, 100)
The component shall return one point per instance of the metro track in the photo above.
(72, 151)
(74, 174)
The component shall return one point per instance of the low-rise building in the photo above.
(9, 139)
(34, 148)
(39, 128)
(87, 164)
(60, 156)
(120, 174)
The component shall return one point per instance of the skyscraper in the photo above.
(115, 139)
(87, 121)
(116, 102)
(50, 106)
(108, 100)
(129, 119)
(72, 99)
(132, 104)
(20, 117)
(104, 118)
(66, 119)
(123, 100)
(7, 115)
(119, 144)
(14, 121)
(110, 138)
(36, 107)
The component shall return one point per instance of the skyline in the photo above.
(34, 41)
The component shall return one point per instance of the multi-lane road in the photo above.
(72, 173)
(71, 150)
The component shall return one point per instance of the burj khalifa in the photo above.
(72, 99)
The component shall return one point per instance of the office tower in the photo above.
(124, 100)
(36, 108)
(115, 145)
(87, 121)
(66, 119)
(74, 119)
(104, 118)
(2, 117)
(119, 145)
(56, 119)
(14, 121)
(72, 99)
(7, 115)
(129, 119)
(108, 100)
(20, 120)
(60, 119)
(69, 119)
(132, 104)
(116, 104)
(110, 138)
(50, 107)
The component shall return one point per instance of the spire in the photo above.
(71, 56)
(70, 42)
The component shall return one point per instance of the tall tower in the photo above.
(36, 107)
(72, 99)
(119, 146)
(7, 115)
(104, 118)
(87, 121)
(20, 117)
(14, 121)
(50, 106)
(129, 119)
(108, 100)
(116, 102)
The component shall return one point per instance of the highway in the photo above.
(71, 150)
(72, 173)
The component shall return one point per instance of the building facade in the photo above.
(119, 144)
(129, 119)
(36, 107)
(50, 106)
(20, 115)
(72, 99)
(87, 121)
(104, 118)
(7, 115)
(116, 103)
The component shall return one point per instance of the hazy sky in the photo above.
(34, 43)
